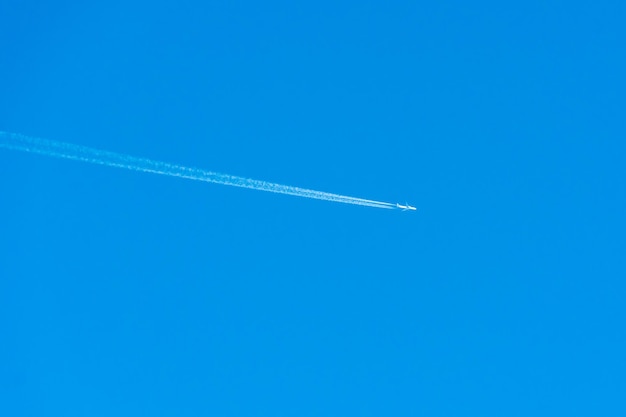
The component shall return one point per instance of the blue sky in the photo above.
(124, 293)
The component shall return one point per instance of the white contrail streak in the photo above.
(112, 159)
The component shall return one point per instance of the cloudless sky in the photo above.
(124, 293)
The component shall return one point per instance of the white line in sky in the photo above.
(112, 159)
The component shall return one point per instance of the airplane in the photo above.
(405, 207)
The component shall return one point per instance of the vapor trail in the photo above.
(112, 159)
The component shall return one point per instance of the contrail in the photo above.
(112, 159)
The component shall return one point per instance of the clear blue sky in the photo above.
(129, 294)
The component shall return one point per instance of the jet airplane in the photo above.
(405, 207)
